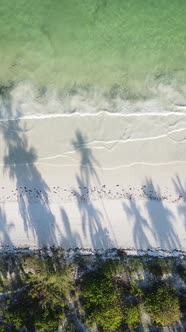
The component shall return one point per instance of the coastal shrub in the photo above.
(19, 311)
(162, 305)
(3, 266)
(132, 315)
(135, 264)
(108, 317)
(159, 266)
(51, 291)
(99, 290)
(39, 307)
(50, 298)
(155, 268)
(33, 263)
(135, 290)
(182, 302)
(101, 298)
(181, 270)
(71, 327)
(108, 297)
(52, 283)
(110, 267)
(41, 303)
(12, 275)
(166, 265)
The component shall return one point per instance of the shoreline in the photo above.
(68, 181)
(24, 100)
(101, 113)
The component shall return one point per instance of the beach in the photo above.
(93, 124)
(94, 181)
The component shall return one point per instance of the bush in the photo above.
(50, 291)
(133, 315)
(19, 311)
(102, 299)
(25, 311)
(135, 264)
(41, 304)
(109, 318)
(159, 266)
(162, 305)
(182, 302)
(155, 268)
(181, 270)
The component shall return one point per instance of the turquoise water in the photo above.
(130, 44)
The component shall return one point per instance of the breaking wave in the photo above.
(25, 100)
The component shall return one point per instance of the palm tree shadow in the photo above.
(5, 229)
(162, 222)
(91, 217)
(140, 225)
(32, 190)
(72, 239)
(87, 162)
(180, 189)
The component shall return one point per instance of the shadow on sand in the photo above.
(72, 239)
(91, 217)
(160, 225)
(19, 163)
(4, 230)
(179, 187)
(140, 225)
(162, 221)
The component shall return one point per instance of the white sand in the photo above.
(94, 181)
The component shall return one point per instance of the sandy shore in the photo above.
(94, 181)
(93, 124)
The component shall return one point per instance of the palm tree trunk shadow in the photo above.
(32, 190)
(140, 225)
(5, 229)
(72, 239)
(91, 217)
(180, 188)
(162, 221)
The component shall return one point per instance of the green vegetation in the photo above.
(133, 315)
(162, 305)
(43, 291)
(41, 301)
(158, 267)
(102, 299)
(181, 270)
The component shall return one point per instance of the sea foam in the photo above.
(25, 100)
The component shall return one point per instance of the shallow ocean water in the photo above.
(133, 48)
